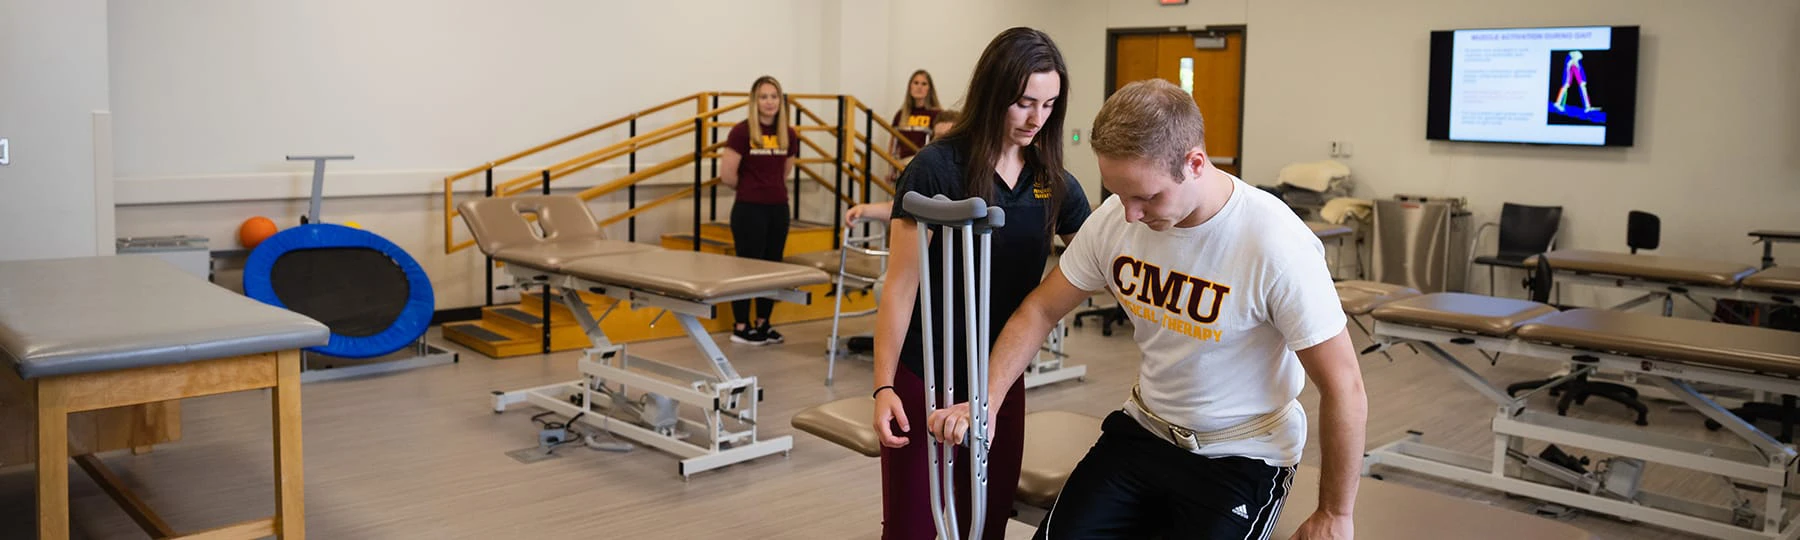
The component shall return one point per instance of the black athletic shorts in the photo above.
(1133, 484)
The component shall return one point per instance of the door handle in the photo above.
(1224, 160)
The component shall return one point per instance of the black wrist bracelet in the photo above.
(878, 391)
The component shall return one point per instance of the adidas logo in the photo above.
(1241, 512)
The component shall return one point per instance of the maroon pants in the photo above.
(905, 484)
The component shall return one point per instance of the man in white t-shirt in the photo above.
(1233, 307)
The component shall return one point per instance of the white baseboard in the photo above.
(298, 184)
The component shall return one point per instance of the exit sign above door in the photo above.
(1172, 2)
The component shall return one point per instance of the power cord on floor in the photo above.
(612, 444)
(553, 435)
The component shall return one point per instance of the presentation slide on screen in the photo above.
(1530, 85)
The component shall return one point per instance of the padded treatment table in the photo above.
(554, 242)
(1362, 297)
(94, 333)
(860, 261)
(1674, 354)
(844, 422)
(1783, 280)
(690, 275)
(857, 266)
(566, 232)
(1057, 440)
(1391, 511)
(1328, 232)
(1358, 298)
(1663, 277)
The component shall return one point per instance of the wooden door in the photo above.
(1213, 74)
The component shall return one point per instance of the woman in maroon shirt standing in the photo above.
(759, 153)
(916, 116)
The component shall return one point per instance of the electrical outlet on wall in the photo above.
(1340, 148)
(5, 152)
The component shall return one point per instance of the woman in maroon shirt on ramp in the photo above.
(758, 155)
(916, 115)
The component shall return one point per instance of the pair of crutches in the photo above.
(962, 223)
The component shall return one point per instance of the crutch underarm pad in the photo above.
(940, 210)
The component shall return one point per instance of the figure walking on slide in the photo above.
(1572, 72)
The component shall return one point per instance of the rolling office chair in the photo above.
(1525, 230)
(1109, 315)
(1643, 230)
(1579, 389)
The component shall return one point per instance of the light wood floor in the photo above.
(418, 454)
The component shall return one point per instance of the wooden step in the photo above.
(716, 237)
(716, 230)
(522, 322)
(532, 303)
(501, 342)
(685, 241)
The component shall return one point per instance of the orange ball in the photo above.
(255, 230)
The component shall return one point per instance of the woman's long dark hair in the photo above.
(998, 82)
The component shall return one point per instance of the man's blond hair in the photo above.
(1149, 119)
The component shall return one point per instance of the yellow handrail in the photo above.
(895, 133)
(846, 154)
(633, 178)
(570, 137)
(529, 182)
(666, 199)
(815, 146)
(820, 179)
(891, 160)
(809, 114)
(450, 211)
(675, 129)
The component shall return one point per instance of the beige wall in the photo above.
(212, 97)
(1717, 133)
(207, 99)
(53, 57)
(1081, 33)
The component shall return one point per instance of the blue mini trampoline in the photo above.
(374, 297)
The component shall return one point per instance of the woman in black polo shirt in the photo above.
(758, 154)
(1008, 151)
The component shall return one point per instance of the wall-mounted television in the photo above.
(1551, 85)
